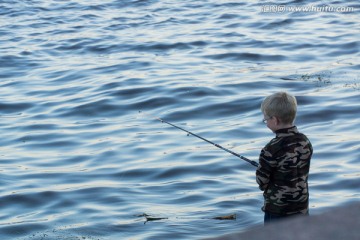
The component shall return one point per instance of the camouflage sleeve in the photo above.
(265, 168)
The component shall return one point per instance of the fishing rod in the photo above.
(255, 164)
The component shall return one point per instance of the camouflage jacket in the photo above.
(283, 172)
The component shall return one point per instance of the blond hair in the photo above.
(281, 105)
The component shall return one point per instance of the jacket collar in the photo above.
(285, 132)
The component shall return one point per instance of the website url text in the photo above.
(311, 8)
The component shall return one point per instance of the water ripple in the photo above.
(82, 155)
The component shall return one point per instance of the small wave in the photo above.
(206, 111)
(99, 108)
(277, 24)
(169, 46)
(154, 103)
(246, 57)
(122, 67)
(12, 61)
(345, 49)
(11, 108)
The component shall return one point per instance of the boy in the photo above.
(284, 162)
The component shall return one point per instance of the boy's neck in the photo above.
(283, 126)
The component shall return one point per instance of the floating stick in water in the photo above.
(255, 164)
(227, 217)
(150, 218)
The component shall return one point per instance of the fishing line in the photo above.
(255, 164)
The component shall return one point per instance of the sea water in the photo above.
(82, 156)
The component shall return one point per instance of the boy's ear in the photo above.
(277, 121)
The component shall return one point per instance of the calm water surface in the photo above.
(81, 160)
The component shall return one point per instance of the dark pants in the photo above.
(270, 218)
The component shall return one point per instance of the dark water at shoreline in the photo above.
(80, 159)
